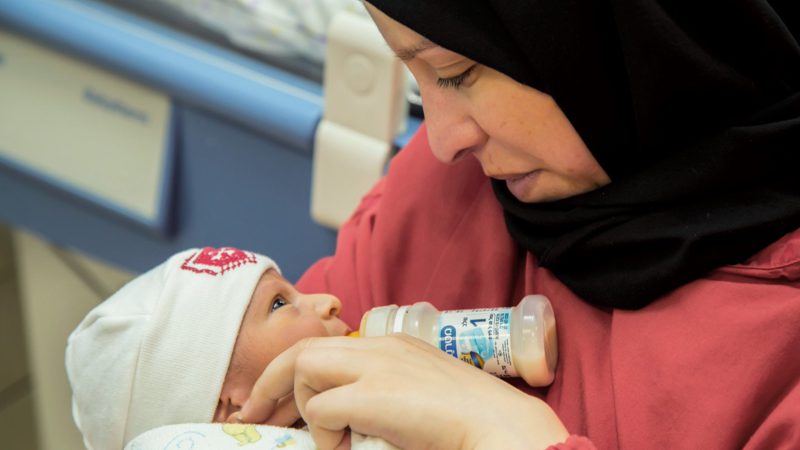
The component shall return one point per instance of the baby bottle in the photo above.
(506, 342)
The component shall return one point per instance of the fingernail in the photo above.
(239, 418)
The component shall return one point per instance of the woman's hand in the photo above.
(403, 390)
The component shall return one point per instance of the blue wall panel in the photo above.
(232, 187)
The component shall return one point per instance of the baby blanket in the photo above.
(224, 436)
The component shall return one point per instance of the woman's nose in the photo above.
(326, 306)
(453, 132)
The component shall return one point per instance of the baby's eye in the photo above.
(278, 303)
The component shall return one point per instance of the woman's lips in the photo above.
(521, 185)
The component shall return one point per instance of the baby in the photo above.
(185, 343)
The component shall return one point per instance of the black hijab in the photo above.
(692, 108)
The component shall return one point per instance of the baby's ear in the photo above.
(221, 414)
(231, 399)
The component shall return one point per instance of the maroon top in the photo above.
(719, 371)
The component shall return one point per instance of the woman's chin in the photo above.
(538, 190)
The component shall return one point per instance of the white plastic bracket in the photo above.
(365, 107)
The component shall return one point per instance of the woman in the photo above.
(635, 162)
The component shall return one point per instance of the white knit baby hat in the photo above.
(156, 352)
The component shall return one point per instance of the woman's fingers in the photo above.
(285, 413)
(362, 386)
(327, 416)
(278, 379)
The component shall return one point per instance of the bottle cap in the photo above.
(538, 325)
(375, 320)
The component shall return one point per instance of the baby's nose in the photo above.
(326, 306)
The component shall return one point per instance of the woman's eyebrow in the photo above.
(409, 53)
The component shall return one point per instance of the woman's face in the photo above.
(518, 134)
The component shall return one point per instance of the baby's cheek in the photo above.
(302, 330)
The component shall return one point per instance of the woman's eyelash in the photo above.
(456, 81)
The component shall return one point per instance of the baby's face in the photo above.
(278, 316)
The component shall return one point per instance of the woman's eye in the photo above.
(456, 81)
(278, 303)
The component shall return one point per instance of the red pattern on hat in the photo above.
(215, 261)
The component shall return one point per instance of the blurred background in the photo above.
(133, 129)
(16, 404)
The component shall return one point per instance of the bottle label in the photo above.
(481, 337)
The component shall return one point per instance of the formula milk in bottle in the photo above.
(507, 342)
